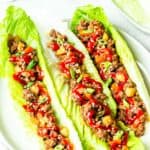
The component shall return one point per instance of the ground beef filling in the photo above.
(87, 92)
(101, 47)
(38, 103)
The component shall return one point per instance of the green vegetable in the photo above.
(18, 23)
(102, 42)
(80, 78)
(90, 12)
(106, 65)
(59, 147)
(118, 135)
(29, 84)
(108, 82)
(125, 103)
(122, 126)
(72, 73)
(18, 53)
(60, 41)
(3, 45)
(31, 64)
(41, 100)
(90, 90)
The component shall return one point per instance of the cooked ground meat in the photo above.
(38, 103)
(102, 50)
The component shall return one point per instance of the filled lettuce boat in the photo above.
(83, 95)
(114, 62)
(30, 84)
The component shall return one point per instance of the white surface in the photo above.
(49, 12)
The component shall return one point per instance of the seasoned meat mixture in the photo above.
(38, 102)
(87, 92)
(102, 50)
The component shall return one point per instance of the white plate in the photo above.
(13, 133)
(145, 27)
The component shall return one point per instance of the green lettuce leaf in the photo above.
(90, 12)
(3, 45)
(88, 139)
(17, 23)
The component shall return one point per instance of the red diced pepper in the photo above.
(13, 59)
(54, 46)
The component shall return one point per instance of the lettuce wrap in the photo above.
(18, 23)
(89, 13)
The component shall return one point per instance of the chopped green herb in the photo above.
(90, 90)
(60, 41)
(102, 42)
(18, 54)
(80, 78)
(122, 126)
(125, 103)
(31, 64)
(118, 135)
(108, 82)
(42, 100)
(29, 84)
(72, 73)
(106, 65)
(59, 147)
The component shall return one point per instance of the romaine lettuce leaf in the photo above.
(90, 12)
(3, 45)
(17, 23)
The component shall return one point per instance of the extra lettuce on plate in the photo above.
(17, 23)
(90, 12)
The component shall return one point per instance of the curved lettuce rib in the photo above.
(90, 12)
(17, 23)
(3, 45)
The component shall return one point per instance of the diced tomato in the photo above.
(78, 94)
(114, 144)
(26, 58)
(68, 145)
(118, 98)
(107, 110)
(95, 84)
(135, 117)
(125, 139)
(102, 74)
(54, 46)
(92, 42)
(130, 100)
(90, 117)
(14, 59)
(17, 77)
(90, 45)
(76, 53)
(64, 69)
(43, 132)
(29, 108)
